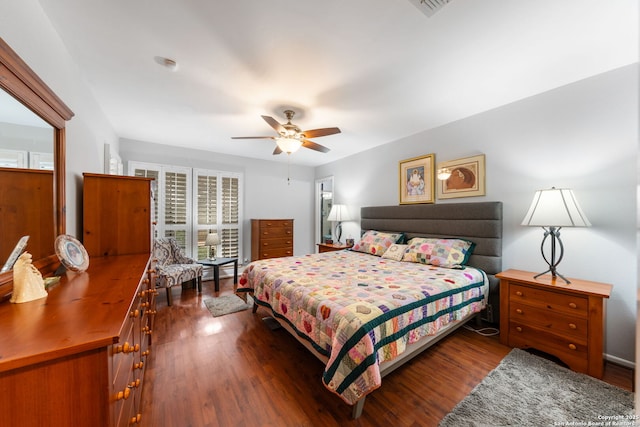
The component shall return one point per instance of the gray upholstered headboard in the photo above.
(480, 223)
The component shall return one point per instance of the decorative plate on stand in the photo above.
(71, 253)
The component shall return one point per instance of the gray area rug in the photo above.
(227, 304)
(527, 390)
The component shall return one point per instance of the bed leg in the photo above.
(357, 408)
(478, 320)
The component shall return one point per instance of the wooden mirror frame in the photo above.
(21, 82)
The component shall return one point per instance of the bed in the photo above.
(366, 311)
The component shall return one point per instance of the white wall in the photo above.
(267, 192)
(582, 136)
(25, 27)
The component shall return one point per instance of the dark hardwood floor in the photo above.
(207, 371)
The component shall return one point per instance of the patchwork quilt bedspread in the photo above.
(360, 310)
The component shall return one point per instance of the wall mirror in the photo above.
(324, 201)
(29, 210)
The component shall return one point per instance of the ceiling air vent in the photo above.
(429, 7)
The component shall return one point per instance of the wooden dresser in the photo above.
(78, 356)
(564, 320)
(116, 215)
(271, 238)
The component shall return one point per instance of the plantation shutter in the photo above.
(177, 207)
(230, 217)
(188, 212)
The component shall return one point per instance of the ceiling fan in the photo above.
(290, 138)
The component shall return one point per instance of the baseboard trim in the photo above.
(619, 361)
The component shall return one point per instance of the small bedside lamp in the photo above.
(338, 214)
(553, 209)
(212, 241)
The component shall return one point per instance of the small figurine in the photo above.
(28, 284)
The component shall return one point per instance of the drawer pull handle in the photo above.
(573, 305)
(519, 311)
(572, 346)
(572, 326)
(518, 328)
(519, 293)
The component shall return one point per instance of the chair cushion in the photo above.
(176, 274)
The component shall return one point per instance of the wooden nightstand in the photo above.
(328, 247)
(564, 320)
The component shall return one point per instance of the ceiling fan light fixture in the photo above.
(288, 144)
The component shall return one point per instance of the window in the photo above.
(191, 203)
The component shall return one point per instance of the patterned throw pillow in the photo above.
(395, 252)
(376, 242)
(450, 253)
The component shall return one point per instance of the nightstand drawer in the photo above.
(571, 304)
(549, 320)
(572, 352)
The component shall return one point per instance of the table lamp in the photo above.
(553, 209)
(212, 241)
(338, 213)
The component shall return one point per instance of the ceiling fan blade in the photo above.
(312, 145)
(277, 150)
(274, 124)
(315, 133)
(252, 137)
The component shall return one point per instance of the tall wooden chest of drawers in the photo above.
(117, 215)
(564, 320)
(271, 238)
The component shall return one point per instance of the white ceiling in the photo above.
(377, 69)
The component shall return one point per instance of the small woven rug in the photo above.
(227, 304)
(527, 390)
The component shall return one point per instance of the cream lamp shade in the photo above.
(553, 209)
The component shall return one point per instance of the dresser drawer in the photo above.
(274, 223)
(276, 232)
(573, 352)
(566, 303)
(276, 243)
(275, 253)
(549, 320)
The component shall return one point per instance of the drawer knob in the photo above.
(572, 346)
(572, 326)
(573, 305)
(123, 394)
(518, 328)
(519, 293)
(519, 311)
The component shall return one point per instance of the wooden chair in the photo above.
(173, 267)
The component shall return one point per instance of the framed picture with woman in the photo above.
(417, 180)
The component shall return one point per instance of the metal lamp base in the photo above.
(554, 232)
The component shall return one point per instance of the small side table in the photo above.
(216, 263)
(329, 247)
(565, 320)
